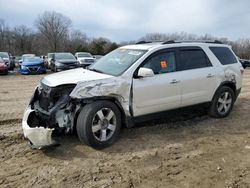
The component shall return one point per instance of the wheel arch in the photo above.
(126, 120)
(229, 84)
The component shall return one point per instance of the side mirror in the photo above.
(145, 72)
(20, 61)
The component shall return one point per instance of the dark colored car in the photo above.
(32, 65)
(8, 59)
(63, 61)
(3, 67)
(245, 63)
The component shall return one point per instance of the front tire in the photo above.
(99, 124)
(222, 103)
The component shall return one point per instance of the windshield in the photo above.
(31, 59)
(84, 55)
(24, 57)
(4, 55)
(117, 62)
(61, 56)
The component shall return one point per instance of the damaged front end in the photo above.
(51, 111)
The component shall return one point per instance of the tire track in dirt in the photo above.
(190, 151)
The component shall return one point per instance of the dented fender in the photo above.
(115, 87)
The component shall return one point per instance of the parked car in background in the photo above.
(85, 59)
(48, 60)
(32, 65)
(24, 56)
(8, 59)
(97, 57)
(3, 67)
(63, 61)
(17, 59)
(245, 63)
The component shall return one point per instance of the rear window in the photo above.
(224, 55)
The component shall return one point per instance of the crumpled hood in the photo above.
(72, 77)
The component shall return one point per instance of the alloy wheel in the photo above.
(224, 103)
(104, 124)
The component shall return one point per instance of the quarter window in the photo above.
(224, 55)
(193, 59)
(162, 63)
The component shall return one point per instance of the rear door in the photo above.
(161, 91)
(197, 76)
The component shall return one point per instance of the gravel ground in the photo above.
(185, 151)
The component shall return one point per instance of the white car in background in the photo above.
(97, 57)
(84, 58)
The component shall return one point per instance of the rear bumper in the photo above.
(39, 137)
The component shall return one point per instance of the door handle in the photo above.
(174, 81)
(210, 75)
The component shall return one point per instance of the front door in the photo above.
(159, 92)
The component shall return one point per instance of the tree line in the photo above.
(54, 33)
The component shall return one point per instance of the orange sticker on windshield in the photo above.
(164, 64)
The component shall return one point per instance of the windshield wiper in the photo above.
(95, 70)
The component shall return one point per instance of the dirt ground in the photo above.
(188, 151)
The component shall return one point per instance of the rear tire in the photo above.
(99, 124)
(222, 103)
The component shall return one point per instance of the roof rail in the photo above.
(150, 41)
(187, 41)
(169, 42)
(215, 42)
(143, 42)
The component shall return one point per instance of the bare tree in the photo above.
(22, 39)
(5, 36)
(2, 33)
(78, 41)
(55, 28)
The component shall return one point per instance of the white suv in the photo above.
(85, 59)
(131, 82)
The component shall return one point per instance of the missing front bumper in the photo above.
(39, 137)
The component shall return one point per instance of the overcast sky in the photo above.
(122, 20)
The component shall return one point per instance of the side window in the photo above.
(162, 63)
(224, 55)
(193, 59)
